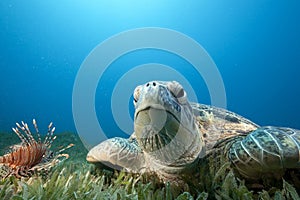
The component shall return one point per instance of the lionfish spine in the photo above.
(20, 135)
(27, 132)
(49, 133)
(49, 143)
(37, 130)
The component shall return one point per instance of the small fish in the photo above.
(32, 154)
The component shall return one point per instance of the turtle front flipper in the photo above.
(266, 151)
(118, 153)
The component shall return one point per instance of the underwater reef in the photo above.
(74, 178)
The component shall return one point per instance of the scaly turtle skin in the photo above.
(172, 136)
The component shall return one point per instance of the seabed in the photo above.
(74, 178)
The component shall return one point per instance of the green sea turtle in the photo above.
(173, 136)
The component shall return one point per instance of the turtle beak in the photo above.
(92, 154)
(91, 158)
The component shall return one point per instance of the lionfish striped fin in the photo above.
(50, 138)
(28, 133)
(48, 144)
(27, 136)
(37, 130)
(63, 149)
(20, 135)
(49, 133)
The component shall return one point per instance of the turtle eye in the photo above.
(181, 96)
(136, 94)
(180, 93)
(177, 91)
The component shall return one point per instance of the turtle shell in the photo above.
(216, 124)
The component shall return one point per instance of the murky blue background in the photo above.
(255, 45)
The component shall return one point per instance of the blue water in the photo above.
(255, 46)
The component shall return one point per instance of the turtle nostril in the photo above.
(151, 84)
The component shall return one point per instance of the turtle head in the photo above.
(164, 124)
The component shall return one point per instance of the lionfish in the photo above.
(31, 155)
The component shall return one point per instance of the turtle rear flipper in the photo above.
(267, 150)
(118, 153)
